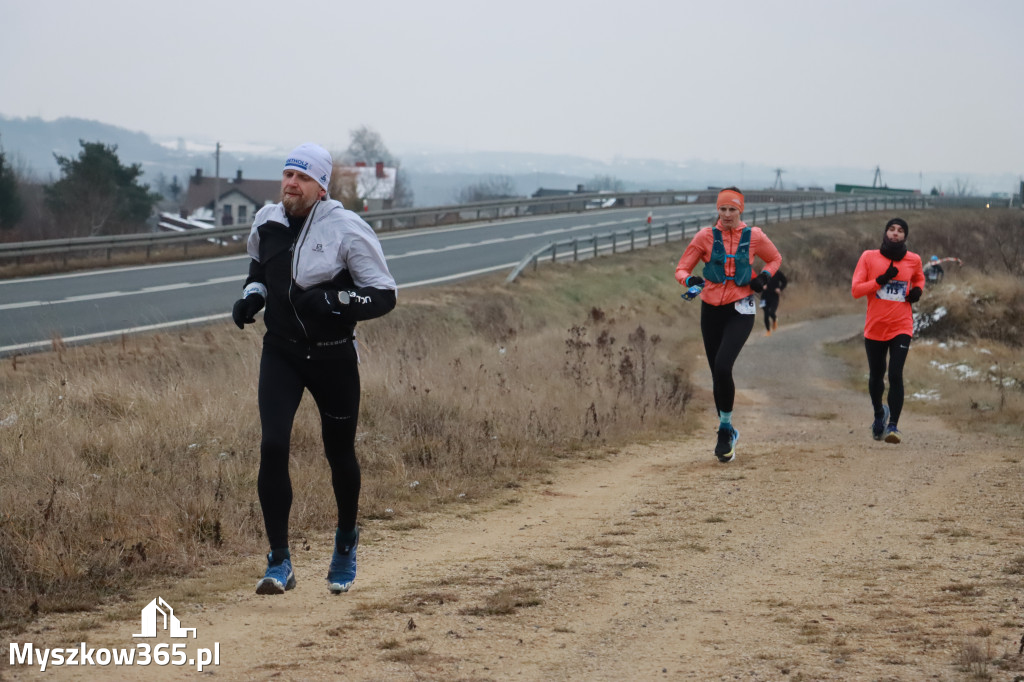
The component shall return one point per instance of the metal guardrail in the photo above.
(590, 246)
(568, 203)
(396, 219)
(383, 221)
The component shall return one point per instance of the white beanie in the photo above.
(313, 160)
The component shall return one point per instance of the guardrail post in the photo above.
(632, 240)
(615, 243)
(554, 252)
(593, 238)
(801, 211)
(575, 249)
(650, 234)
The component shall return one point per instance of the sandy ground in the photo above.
(819, 554)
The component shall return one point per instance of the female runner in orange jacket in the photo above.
(727, 310)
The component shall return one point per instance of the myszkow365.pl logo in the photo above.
(156, 615)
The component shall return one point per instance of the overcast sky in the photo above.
(910, 85)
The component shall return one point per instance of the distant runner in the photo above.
(727, 288)
(770, 301)
(934, 272)
(892, 278)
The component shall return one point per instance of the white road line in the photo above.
(117, 294)
(43, 345)
(501, 240)
(132, 268)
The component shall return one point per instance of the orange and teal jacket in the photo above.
(889, 314)
(699, 249)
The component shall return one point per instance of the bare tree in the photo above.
(368, 146)
(493, 187)
(345, 187)
(601, 183)
(963, 187)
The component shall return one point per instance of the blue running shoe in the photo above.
(892, 434)
(279, 576)
(725, 449)
(878, 426)
(342, 572)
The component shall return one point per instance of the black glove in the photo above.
(758, 284)
(245, 309)
(914, 295)
(694, 281)
(321, 302)
(887, 277)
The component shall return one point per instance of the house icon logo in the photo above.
(151, 618)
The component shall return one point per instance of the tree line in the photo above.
(96, 194)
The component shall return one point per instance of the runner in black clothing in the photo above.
(318, 269)
(770, 301)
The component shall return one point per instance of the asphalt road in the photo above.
(86, 306)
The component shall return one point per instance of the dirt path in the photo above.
(819, 554)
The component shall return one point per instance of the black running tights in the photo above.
(334, 385)
(771, 305)
(896, 348)
(725, 331)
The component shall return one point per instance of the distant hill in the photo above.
(436, 177)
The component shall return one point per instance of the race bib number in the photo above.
(894, 291)
(745, 306)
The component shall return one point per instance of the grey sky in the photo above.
(929, 85)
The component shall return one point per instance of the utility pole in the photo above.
(216, 188)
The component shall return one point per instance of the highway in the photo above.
(86, 306)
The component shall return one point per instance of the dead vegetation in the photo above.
(134, 459)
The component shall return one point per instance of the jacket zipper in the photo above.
(296, 249)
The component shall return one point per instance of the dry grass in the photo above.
(125, 461)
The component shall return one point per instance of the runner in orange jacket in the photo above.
(727, 310)
(892, 279)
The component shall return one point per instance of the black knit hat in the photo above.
(902, 223)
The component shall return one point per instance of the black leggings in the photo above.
(334, 385)
(725, 331)
(771, 305)
(896, 348)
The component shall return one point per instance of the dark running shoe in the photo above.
(725, 449)
(342, 572)
(892, 434)
(279, 576)
(878, 426)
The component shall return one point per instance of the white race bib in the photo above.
(745, 306)
(894, 291)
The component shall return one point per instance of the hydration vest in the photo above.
(714, 269)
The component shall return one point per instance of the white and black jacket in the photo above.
(299, 265)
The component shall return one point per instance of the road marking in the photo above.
(43, 345)
(117, 294)
(131, 268)
(514, 238)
